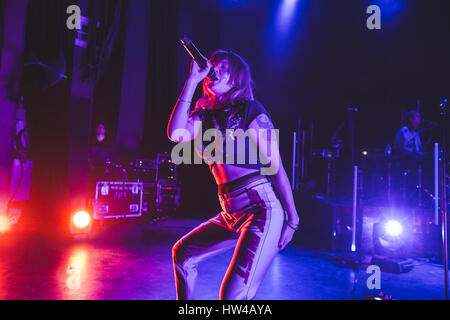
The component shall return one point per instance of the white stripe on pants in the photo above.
(251, 221)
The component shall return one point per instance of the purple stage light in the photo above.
(286, 14)
(390, 8)
(393, 228)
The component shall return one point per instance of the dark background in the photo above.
(314, 68)
(327, 60)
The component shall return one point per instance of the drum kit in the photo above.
(397, 179)
(341, 175)
(384, 175)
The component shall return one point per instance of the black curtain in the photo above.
(48, 40)
(198, 190)
(162, 71)
(2, 25)
(110, 41)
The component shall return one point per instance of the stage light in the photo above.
(390, 8)
(393, 228)
(232, 3)
(393, 237)
(284, 26)
(5, 224)
(81, 224)
(393, 241)
(286, 15)
(81, 219)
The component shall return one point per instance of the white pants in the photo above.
(251, 222)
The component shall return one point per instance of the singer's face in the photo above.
(221, 85)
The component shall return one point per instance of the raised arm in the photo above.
(268, 148)
(180, 119)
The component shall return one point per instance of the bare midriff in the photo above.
(224, 173)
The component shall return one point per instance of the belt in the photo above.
(241, 182)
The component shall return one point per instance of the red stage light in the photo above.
(5, 224)
(81, 219)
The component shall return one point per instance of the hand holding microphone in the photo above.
(202, 68)
(197, 74)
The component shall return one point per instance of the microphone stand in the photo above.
(444, 106)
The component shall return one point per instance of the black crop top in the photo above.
(233, 117)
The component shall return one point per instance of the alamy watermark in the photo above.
(237, 150)
(74, 20)
(374, 280)
(374, 20)
(73, 281)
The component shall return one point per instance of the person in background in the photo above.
(407, 141)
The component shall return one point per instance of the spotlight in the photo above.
(391, 8)
(286, 15)
(81, 219)
(390, 238)
(393, 228)
(5, 224)
(392, 246)
(81, 223)
(284, 24)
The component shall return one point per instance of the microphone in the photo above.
(197, 56)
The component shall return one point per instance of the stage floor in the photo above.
(130, 261)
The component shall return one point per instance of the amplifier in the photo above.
(145, 175)
(149, 198)
(145, 164)
(115, 199)
(166, 169)
(167, 196)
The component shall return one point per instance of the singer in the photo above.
(258, 217)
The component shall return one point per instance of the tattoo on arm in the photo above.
(264, 122)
